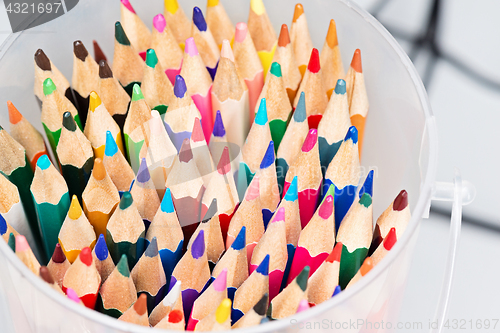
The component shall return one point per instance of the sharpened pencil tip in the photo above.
(365, 200)
(104, 70)
(143, 175)
(198, 247)
(261, 116)
(220, 282)
(179, 87)
(268, 158)
(240, 241)
(159, 23)
(302, 278)
(310, 141)
(126, 4)
(314, 64)
(367, 185)
(280, 215)
(261, 307)
(94, 101)
(356, 61)
(223, 311)
(299, 10)
(68, 122)
(141, 306)
(336, 291)
(212, 210)
(122, 266)
(257, 6)
(42, 61)
(99, 171)
(86, 256)
(167, 205)
(137, 93)
(390, 239)
(48, 86)
(111, 148)
(336, 253)
(284, 38)
(151, 58)
(241, 32)
(72, 295)
(219, 130)
(263, 267)
(175, 316)
(190, 47)
(331, 36)
(152, 249)
(276, 69)
(79, 50)
(75, 210)
(366, 267)
(199, 20)
(224, 165)
(120, 35)
(43, 162)
(14, 115)
(101, 248)
(300, 113)
(340, 87)
(21, 243)
(226, 51)
(326, 208)
(3, 225)
(185, 153)
(58, 256)
(172, 6)
(45, 275)
(126, 200)
(401, 201)
(197, 132)
(352, 134)
(292, 192)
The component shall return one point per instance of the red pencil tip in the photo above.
(197, 133)
(284, 38)
(175, 316)
(390, 239)
(356, 61)
(224, 165)
(314, 65)
(141, 306)
(336, 253)
(401, 201)
(86, 256)
(14, 115)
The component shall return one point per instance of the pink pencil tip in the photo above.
(159, 23)
(226, 50)
(190, 47)
(310, 141)
(220, 282)
(303, 305)
(253, 190)
(197, 133)
(127, 5)
(72, 295)
(21, 243)
(241, 32)
(280, 215)
(224, 165)
(326, 209)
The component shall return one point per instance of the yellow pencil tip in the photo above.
(212, 3)
(94, 102)
(223, 311)
(75, 210)
(257, 6)
(171, 6)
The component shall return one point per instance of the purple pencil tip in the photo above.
(198, 247)
(143, 173)
(179, 87)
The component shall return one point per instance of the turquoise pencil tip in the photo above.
(261, 117)
(43, 162)
(167, 205)
(300, 113)
(340, 88)
(111, 148)
(292, 192)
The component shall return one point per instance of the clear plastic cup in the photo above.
(400, 144)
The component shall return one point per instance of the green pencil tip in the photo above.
(331, 191)
(122, 266)
(302, 278)
(48, 86)
(1, 128)
(365, 200)
(137, 93)
(68, 122)
(126, 200)
(276, 69)
(120, 35)
(12, 242)
(151, 58)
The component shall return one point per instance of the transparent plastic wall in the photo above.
(400, 144)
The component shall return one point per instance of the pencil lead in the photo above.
(75, 210)
(197, 133)
(58, 256)
(99, 171)
(263, 267)
(175, 316)
(401, 201)
(199, 20)
(336, 291)
(137, 93)
(190, 47)
(72, 295)
(111, 148)
(151, 58)
(42, 61)
(367, 185)
(261, 307)
(330, 191)
(314, 65)
(240, 241)
(292, 192)
(226, 51)
(302, 278)
(340, 87)
(104, 70)
(336, 253)
(310, 141)
(127, 5)
(12, 242)
(326, 208)
(257, 6)
(223, 311)
(126, 200)
(253, 190)
(390, 239)
(212, 210)
(48, 86)
(45, 275)
(98, 54)
(86, 256)
(143, 172)
(122, 266)
(14, 114)
(284, 38)
(300, 113)
(276, 69)
(280, 215)
(240, 32)
(261, 116)
(101, 248)
(141, 306)
(79, 50)
(303, 305)
(185, 154)
(120, 35)
(179, 87)
(152, 249)
(352, 134)
(268, 158)
(266, 319)
(172, 6)
(356, 61)
(198, 247)
(365, 200)
(43, 162)
(159, 23)
(224, 166)
(172, 295)
(331, 35)
(366, 267)
(3, 225)
(167, 205)
(212, 3)
(68, 122)
(299, 10)
(219, 130)
(94, 101)
(220, 282)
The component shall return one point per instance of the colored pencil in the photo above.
(323, 282)
(363, 270)
(85, 78)
(255, 315)
(144, 193)
(384, 247)
(251, 291)
(312, 85)
(97, 210)
(156, 87)
(12, 242)
(236, 263)
(209, 51)
(138, 313)
(343, 172)
(264, 36)
(397, 216)
(249, 66)
(112, 94)
(367, 185)
(128, 66)
(333, 126)
(167, 48)
(125, 231)
(181, 114)
(356, 94)
(273, 243)
(52, 201)
(209, 299)
(177, 21)
(6, 229)
(58, 265)
(218, 141)
(217, 320)
(301, 39)
(269, 190)
(292, 141)
(167, 230)
(230, 97)
(279, 109)
(83, 278)
(331, 60)
(254, 149)
(192, 270)
(285, 56)
(136, 127)
(303, 306)
(76, 156)
(103, 262)
(98, 53)
(76, 232)
(355, 233)
(316, 240)
(137, 31)
(222, 188)
(53, 107)
(201, 152)
(28, 136)
(214, 242)
(170, 303)
(117, 166)
(307, 167)
(44, 273)
(72, 295)
(249, 215)
(44, 69)
(187, 189)
(173, 321)
(25, 254)
(287, 301)
(118, 292)
(149, 277)
(99, 121)
(199, 84)
(219, 22)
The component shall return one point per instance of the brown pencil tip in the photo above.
(185, 154)
(284, 38)
(104, 70)
(401, 201)
(45, 275)
(141, 306)
(99, 172)
(42, 60)
(356, 61)
(98, 54)
(299, 10)
(58, 255)
(331, 36)
(79, 50)
(14, 115)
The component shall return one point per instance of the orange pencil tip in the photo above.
(141, 306)
(284, 38)
(299, 10)
(356, 61)
(14, 115)
(366, 267)
(99, 172)
(331, 36)
(336, 253)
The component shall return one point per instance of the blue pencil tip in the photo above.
(167, 205)
(340, 88)
(111, 148)
(179, 87)
(3, 225)
(240, 241)
(367, 185)
(101, 249)
(152, 250)
(336, 291)
(300, 113)
(143, 173)
(352, 134)
(199, 20)
(268, 156)
(43, 162)
(219, 130)
(292, 192)
(264, 266)
(261, 117)
(198, 247)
